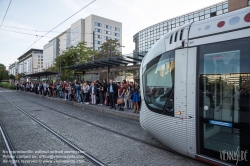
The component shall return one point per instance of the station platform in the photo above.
(126, 113)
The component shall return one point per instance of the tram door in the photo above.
(223, 108)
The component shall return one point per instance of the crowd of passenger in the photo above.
(125, 94)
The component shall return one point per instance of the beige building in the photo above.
(31, 62)
(82, 30)
(13, 68)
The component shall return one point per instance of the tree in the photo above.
(3, 72)
(72, 56)
(108, 49)
(11, 76)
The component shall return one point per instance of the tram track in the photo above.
(111, 130)
(70, 144)
(105, 128)
(9, 147)
(108, 129)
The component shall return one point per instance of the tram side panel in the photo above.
(191, 101)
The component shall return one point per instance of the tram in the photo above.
(195, 89)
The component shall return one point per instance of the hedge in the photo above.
(9, 86)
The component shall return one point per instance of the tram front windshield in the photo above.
(158, 81)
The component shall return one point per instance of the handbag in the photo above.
(106, 102)
(120, 100)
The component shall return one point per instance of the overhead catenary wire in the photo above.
(6, 13)
(60, 24)
(36, 35)
(40, 31)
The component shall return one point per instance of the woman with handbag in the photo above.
(121, 93)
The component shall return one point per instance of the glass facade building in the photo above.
(147, 37)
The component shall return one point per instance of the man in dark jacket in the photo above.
(112, 90)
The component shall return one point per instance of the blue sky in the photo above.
(43, 15)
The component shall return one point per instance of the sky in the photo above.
(43, 15)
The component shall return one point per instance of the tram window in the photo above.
(181, 34)
(170, 41)
(158, 83)
(175, 38)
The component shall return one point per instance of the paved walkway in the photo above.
(127, 113)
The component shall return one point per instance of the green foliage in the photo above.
(108, 50)
(3, 72)
(7, 85)
(72, 56)
(11, 76)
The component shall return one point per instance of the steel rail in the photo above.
(8, 146)
(88, 156)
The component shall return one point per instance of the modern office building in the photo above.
(82, 30)
(31, 62)
(13, 68)
(147, 37)
(50, 52)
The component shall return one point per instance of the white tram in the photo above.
(195, 86)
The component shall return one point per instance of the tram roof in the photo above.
(107, 62)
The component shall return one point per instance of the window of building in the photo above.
(98, 36)
(107, 32)
(97, 30)
(213, 9)
(118, 40)
(41, 60)
(225, 5)
(196, 19)
(201, 12)
(158, 84)
(117, 34)
(97, 48)
(98, 42)
(213, 14)
(190, 16)
(219, 12)
(207, 15)
(207, 11)
(219, 7)
(108, 26)
(98, 24)
(107, 38)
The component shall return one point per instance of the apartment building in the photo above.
(94, 30)
(31, 62)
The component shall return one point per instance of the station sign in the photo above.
(79, 72)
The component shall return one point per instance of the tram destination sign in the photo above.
(226, 124)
